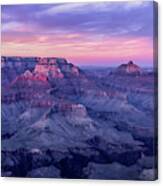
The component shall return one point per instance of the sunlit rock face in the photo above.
(48, 67)
(41, 68)
(129, 68)
(30, 78)
(56, 68)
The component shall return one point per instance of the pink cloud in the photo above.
(79, 48)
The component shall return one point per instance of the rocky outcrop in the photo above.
(21, 63)
(128, 69)
(48, 68)
(41, 68)
(32, 77)
(56, 68)
(12, 67)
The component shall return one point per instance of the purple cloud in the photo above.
(121, 18)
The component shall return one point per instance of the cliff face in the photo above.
(30, 78)
(56, 68)
(12, 67)
(48, 67)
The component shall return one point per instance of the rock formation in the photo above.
(128, 69)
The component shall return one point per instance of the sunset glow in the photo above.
(83, 33)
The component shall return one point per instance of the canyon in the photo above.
(64, 121)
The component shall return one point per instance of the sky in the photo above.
(98, 34)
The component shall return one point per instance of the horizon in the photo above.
(84, 33)
(85, 65)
